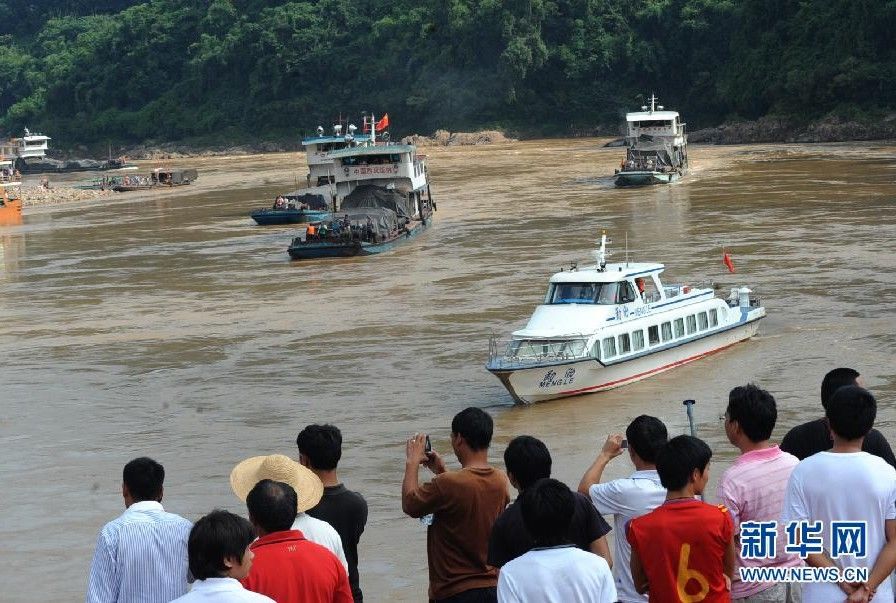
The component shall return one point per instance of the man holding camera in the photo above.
(464, 505)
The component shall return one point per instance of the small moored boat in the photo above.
(608, 325)
(293, 209)
(159, 177)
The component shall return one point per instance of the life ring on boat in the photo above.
(686, 289)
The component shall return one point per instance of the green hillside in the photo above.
(245, 69)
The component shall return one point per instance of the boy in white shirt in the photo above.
(555, 571)
(845, 484)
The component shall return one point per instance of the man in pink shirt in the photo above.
(753, 489)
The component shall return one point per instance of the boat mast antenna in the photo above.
(652, 102)
(626, 249)
(600, 254)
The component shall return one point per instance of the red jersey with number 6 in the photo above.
(682, 545)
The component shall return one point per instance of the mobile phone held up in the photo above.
(428, 446)
(623, 444)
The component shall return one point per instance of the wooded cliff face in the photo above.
(173, 69)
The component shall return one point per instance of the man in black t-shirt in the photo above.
(320, 448)
(528, 460)
(815, 436)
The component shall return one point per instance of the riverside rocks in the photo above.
(780, 129)
(33, 196)
(444, 138)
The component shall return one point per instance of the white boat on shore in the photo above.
(608, 325)
(657, 147)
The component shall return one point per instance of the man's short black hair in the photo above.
(476, 427)
(322, 444)
(144, 479)
(755, 411)
(834, 380)
(218, 536)
(646, 435)
(547, 508)
(851, 412)
(272, 505)
(528, 459)
(678, 459)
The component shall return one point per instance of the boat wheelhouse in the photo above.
(608, 325)
(395, 167)
(657, 147)
(318, 149)
(31, 146)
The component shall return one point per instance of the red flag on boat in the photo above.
(383, 123)
(727, 260)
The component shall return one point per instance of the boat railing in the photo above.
(521, 352)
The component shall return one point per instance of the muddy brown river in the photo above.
(169, 325)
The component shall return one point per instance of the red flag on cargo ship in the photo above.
(383, 123)
(727, 260)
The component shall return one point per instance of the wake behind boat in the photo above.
(608, 325)
(657, 147)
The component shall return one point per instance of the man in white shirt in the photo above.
(555, 571)
(308, 487)
(141, 555)
(219, 558)
(629, 497)
(845, 484)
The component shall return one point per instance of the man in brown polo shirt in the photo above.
(464, 505)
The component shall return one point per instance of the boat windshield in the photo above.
(584, 293)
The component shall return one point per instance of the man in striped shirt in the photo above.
(753, 488)
(141, 556)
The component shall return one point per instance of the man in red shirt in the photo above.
(683, 551)
(288, 568)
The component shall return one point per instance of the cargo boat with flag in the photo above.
(385, 200)
(657, 144)
(317, 201)
(608, 325)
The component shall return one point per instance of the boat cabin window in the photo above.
(692, 324)
(625, 293)
(713, 318)
(371, 159)
(702, 321)
(637, 340)
(653, 123)
(587, 293)
(545, 348)
(609, 347)
(667, 331)
(653, 334)
(650, 293)
(679, 327)
(625, 344)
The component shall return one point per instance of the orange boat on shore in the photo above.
(10, 210)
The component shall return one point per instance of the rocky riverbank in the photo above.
(34, 196)
(444, 138)
(782, 129)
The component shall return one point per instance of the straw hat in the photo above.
(279, 468)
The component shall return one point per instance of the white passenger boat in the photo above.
(657, 147)
(607, 325)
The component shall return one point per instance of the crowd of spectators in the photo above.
(822, 501)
